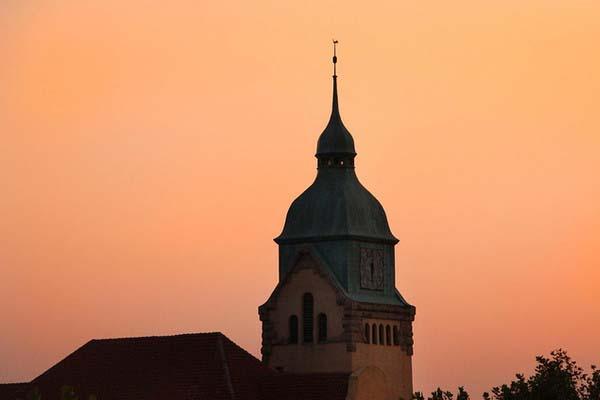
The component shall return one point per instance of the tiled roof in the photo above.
(203, 366)
(13, 390)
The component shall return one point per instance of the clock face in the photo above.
(371, 269)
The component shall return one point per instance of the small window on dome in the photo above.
(342, 162)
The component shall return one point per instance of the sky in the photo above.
(150, 150)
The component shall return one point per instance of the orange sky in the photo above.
(150, 150)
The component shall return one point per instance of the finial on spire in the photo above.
(335, 42)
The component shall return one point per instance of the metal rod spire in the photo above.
(335, 42)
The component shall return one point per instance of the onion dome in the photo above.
(335, 139)
(336, 206)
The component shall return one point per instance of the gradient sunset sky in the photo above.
(149, 152)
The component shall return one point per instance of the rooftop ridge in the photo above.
(213, 333)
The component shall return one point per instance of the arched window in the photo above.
(374, 334)
(388, 335)
(396, 337)
(307, 317)
(322, 323)
(381, 338)
(293, 337)
(367, 334)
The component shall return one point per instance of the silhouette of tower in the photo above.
(336, 307)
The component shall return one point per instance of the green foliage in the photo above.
(557, 377)
(440, 394)
(593, 384)
(462, 394)
(517, 389)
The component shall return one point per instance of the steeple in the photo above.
(335, 147)
(336, 302)
(336, 207)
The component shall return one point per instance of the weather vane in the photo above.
(335, 42)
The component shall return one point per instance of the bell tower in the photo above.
(336, 307)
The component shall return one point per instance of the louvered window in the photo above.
(307, 317)
(388, 335)
(374, 334)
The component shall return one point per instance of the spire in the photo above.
(335, 108)
(335, 139)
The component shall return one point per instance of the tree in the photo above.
(516, 390)
(462, 394)
(556, 378)
(440, 394)
(592, 385)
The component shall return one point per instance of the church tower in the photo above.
(336, 307)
